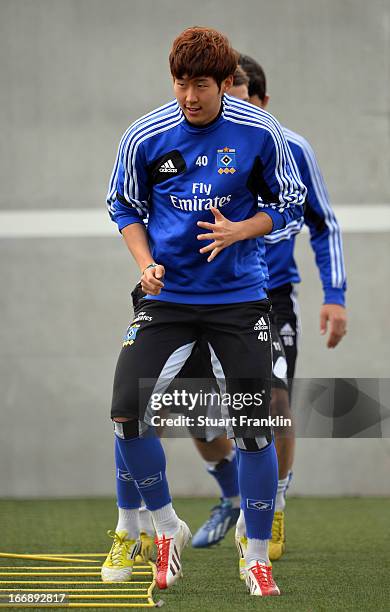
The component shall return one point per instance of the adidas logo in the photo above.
(261, 325)
(168, 167)
(287, 330)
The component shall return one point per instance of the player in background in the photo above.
(181, 164)
(283, 274)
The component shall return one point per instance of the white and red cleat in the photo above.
(259, 580)
(168, 561)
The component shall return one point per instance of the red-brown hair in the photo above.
(202, 52)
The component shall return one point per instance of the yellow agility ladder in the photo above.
(73, 584)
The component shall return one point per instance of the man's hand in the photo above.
(337, 317)
(224, 233)
(151, 282)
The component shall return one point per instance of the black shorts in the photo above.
(161, 338)
(198, 364)
(285, 318)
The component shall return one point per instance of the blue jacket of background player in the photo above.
(325, 235)
(174, 172)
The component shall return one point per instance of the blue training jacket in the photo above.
(325, 235)
(173, 172)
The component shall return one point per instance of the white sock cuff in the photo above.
(165, 513)
(165, 520)
(145, 521)
(257, 550)
(127, 512)
(282, 483)
(128, 520)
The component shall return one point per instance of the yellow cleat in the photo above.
(241, 544)
(146, 552)
(278, 542)
(118, 566)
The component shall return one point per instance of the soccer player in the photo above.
(283, 274)
(183, 164)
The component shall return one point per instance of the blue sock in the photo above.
(225, 473)
(258, 479)
(145, 461)
(127, 493)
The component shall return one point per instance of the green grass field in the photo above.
(337, 552)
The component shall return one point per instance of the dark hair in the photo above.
(202, 52)
(257, 80)
(240, 77)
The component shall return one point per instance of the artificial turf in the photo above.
(337, 556)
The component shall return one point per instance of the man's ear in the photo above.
(265, 101)
(227, 84)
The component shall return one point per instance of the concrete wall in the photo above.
(65, 306)
(73, 74)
